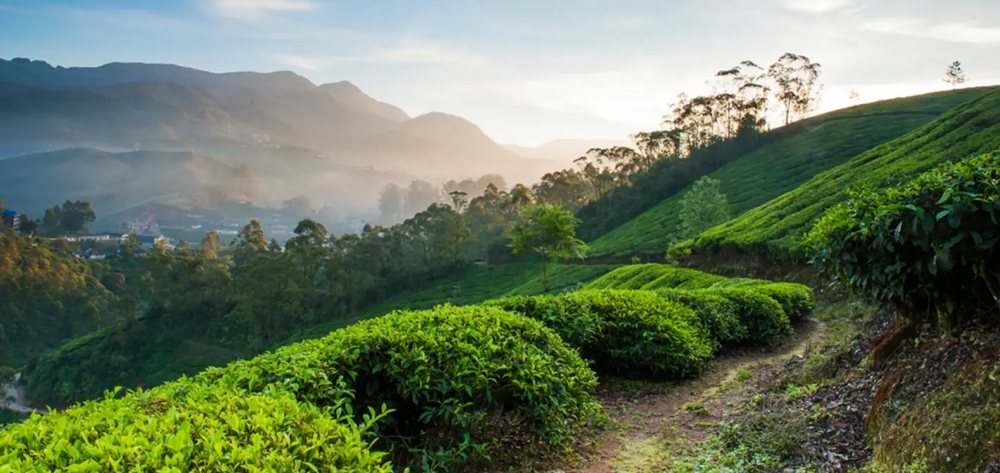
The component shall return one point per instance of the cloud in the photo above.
(954, 32)
(245, 9)
(414, 52)
(815, 6)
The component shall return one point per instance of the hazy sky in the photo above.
(526, 71)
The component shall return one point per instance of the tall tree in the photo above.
(796, 89)
(251, 241)
(548, 230)
(50, 222)
(955, 75)
(76, 216)
(419, 196)
(209, 247)
(390, 204)
(703, 207)
(26, 225)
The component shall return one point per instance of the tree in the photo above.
(955, 75)
(854, 96)
(249, 242)
(209, 247)
(459, 200)
(703, 207)
(26, 226)
(548, 230)
(50, 222)
(76, 216)
(129, 246)
(390, 204)
(795, 79)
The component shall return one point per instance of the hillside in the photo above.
(819, 144)
(352, 95)
(113, 181)
(778, 225)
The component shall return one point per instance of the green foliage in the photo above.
(797, 300)
(186, 426)
(781, 161)
(762, 317)
(776, 228)
(718, 315)
(702, 207)
(443, 373)
(47, 297)
(654, 276)
(928, 245)
(639, 332)
(549, 231)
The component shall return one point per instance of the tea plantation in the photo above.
(776, 228)
(752, 180)
(423, 389)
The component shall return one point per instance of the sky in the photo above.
(526, 71)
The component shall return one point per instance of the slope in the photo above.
(780, 167)
(111, 181)
(776, 227)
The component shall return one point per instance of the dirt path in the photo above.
(658, 423)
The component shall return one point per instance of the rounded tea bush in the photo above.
(797, 300)
(442, 373)
(718, 315)
(762, 316)
(569, 315)
(184, 426)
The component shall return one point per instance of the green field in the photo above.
(776, 227)
(475, 285)
(780, 167)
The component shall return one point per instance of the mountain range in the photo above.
(288, 129)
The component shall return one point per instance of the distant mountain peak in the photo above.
(352, 95)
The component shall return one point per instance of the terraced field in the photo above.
(753, 180)
(776, 227)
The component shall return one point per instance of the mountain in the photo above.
(802, 151)
(352, 95)
(28, 72)
(778, 225)
(242, 117)
(113, 182)
(564, 150)
(450, 145)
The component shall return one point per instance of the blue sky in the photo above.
(526, 71)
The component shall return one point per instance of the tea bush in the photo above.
(926, 247)
(717, 315)
(797, 300)
(638, 331)
(764, 319)
(654, 276)
(185, 426)
(740, 282)
(442, 372)
(569, 315)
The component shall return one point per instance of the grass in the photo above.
(776, 227)
(782, 166)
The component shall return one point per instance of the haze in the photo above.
(525, 71)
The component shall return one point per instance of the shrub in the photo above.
(184, 426)
(740, 282)
(568, 314)
(639, 332)
(762, 316)
(654, 276)
(796, 300)
(442, 372)
(925, 247)
(717, 314)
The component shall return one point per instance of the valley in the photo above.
(243, 271)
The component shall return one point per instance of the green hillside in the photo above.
(780, 167)
(475, 285)
(777, 226)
